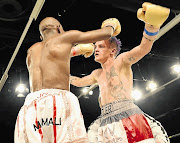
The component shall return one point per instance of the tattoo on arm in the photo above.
(72, 79)
(131, 59)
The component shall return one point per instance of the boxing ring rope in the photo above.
(160, 88)
(162, 31)
(35, 12)
(173, 136)
(89, 89)
(168, 26)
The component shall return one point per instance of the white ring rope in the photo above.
(34, 15)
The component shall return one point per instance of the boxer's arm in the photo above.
(137, 53)
(28, 64)
(28, 58)
(84, 81)
(154, 16)
(75, 36)
(29, 52)
(110, 27)
(99, 100)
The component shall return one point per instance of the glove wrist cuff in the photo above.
(76, 51)
(150, 33)
(73, 51)
(150, 30)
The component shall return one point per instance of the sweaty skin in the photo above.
(48, 62)
(49, 65)
(115, 83)
(115, 78)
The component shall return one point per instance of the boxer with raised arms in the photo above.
(121, 120)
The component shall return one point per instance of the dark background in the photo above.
(85, 15)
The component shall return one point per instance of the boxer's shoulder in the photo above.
(121, 57)
(34, 46)
(97, 72)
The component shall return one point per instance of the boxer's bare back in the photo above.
(49, 64)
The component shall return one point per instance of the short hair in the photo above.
(117, 42)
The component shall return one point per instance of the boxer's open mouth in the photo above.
(96, 54)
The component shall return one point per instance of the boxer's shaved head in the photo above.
(50, 24)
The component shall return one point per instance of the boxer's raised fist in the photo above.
(152, 14)
(114, 23)
(85, 49)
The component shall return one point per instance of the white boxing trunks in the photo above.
(158, 130)
(50, 116)
(123, 122)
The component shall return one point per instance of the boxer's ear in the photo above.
(113, 51)
(61, 30)
(58, 28)
(41, 37)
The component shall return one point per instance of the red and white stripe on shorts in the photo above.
(50, 115)
(123, 122)
(158, 130)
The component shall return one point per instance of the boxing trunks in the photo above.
(158, 130)
(50, 116)
(123, 122)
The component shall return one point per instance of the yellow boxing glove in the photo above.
(152, 14)
(114, 23)
(83, 49)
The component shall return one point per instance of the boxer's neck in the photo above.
(109, 62)
(50, 34)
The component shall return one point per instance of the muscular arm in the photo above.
(75, 36)
(84, 81)
(137, 53)
(28, 59)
